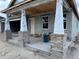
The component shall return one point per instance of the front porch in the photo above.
(37, 44)
(37, 21)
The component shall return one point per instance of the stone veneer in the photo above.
(24, 38)
(58, 41)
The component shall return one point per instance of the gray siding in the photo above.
(0, 26)
(69, 24)
(75, 26)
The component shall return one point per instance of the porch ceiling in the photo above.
(43, 8)
(34, 7)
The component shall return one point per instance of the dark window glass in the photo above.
(64, 15)
(64, 24)
(45, 25)
(45, 19)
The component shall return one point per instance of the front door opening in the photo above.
(15, 26)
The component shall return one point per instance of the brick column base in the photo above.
(7, 35)
(24, 38)
(58, 41)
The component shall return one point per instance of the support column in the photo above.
(24, 28)
(7, 30)
(23, 25)
(58, 35)
(58, 25)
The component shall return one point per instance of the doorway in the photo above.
(15, 26)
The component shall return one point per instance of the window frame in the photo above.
(45, 22)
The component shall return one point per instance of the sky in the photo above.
(77, 1)
(5, 3)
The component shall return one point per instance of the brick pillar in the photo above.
(58, 37)
(24, 28)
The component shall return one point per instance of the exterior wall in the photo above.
(68, 29)
(39, 25)
(0, 26)
(78, 25)
(68, 25)
(75, 26)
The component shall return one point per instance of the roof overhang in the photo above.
(33, 7)
(29, 4)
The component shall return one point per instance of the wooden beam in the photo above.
(66, 5)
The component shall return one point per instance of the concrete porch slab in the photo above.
(41, 46)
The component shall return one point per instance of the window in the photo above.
(45, 22)
(64, 15)
(65, 21)
(65, 27)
